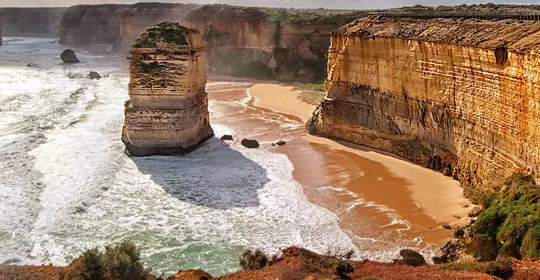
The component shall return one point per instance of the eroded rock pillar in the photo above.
(167, 112)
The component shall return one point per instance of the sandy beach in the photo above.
(439, 198)
(283, 99)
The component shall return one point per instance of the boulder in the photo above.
(250, 143)
(412, 257)
(447, 226)
(227, 137)
(476, 211)
(68, 56)
(94, 75)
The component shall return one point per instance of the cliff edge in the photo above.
(168, 108)
(458, 96)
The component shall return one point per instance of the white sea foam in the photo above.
(80, 190)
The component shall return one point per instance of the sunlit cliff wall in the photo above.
(462, 97)
(31, 22)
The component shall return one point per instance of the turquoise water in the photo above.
(66, 184)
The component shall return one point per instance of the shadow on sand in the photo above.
(213, 176)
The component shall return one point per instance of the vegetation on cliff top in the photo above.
(474, 8)
(511, 219)
(166, 32)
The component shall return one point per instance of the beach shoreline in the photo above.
(437, 196)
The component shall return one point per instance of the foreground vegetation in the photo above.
(510, 222)
(119, 262)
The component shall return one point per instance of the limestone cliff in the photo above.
(462, 97)
(168, 108)
(248, 42)
(91, 24)
(31, 22)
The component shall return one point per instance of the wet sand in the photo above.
(382, 201)
(283, 99)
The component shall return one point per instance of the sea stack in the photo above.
(167, 113)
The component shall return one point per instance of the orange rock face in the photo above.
(168, 108)
(462, 97)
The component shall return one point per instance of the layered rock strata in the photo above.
(168, 108)
(462, 97)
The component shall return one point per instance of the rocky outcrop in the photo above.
(266, 43)
(31, 22)
(168, 108)
(460, 95)
(412, 257)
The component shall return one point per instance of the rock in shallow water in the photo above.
(250, 143)
(227, 137)
(68, 56)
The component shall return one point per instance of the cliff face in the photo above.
(247, 42)
(251, 42)
(31, 22)
(91, 24)
(462, 97)
(168, 108)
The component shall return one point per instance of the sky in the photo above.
(335, 4)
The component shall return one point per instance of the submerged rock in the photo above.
(250, 143)
(94, 75)
(68, 56)
(412, 257)
(227, 137)
(167, 112)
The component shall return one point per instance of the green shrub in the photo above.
(531, 243)
(511, 217)
(119, 262)
(253, 260)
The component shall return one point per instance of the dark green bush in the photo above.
(253, 260)
(119, 262)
